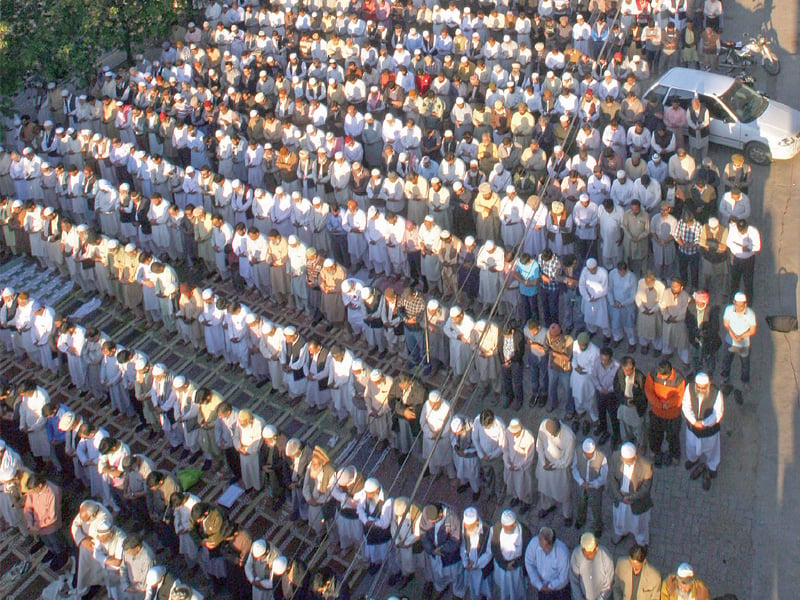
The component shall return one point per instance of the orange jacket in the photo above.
(665, 395)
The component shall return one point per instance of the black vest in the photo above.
(701, 412)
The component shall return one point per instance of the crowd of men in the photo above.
(476, 154)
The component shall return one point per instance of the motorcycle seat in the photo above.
(729, 44)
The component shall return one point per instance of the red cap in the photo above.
(162, 116)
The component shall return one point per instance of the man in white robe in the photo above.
(465, 456)
(10, 512)
(293, 357)
(518, 457)
(247, 440)
(458, 329)
(31, 420)
(379, 410)
(509, 539)
(182, 504)
(347, 492)
(547, 565)
(42, 329)
(622, 286)
(630, 480)
(476, 555)
(489, 437)
(556, 450)
(593, 288)
(375, 514)
(703, 407)
(316, 370)
(585, 355)
(91, 515)
(434, 421)
(609, 220)
(211, 319)
(186, 411)
(270, 346)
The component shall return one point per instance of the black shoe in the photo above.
(374, 568)
(392, 581)
(462, 488)
(37, 545)
(739, 397)
(139, 428)
(586, 427)
(579, 524)
(727, 388)
(544, 512)
(476, 495)
(598, 429)
(706, 480)
(277, 503)
(406, 580)
(514, 502)
(568, 522)
(576, 424)
(207, 465)
(604, 437)
(698, 470)
(184, 455)
(525, 508)
(48, 556)
(690, 464)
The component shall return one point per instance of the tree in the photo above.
(58, 39)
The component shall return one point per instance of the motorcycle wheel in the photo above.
(772, 67)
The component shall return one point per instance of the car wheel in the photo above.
(758, 153)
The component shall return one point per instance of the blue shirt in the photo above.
(528, 272)
(53, 432)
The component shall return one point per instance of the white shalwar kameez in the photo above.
(316, 370)
(478, 585)
(460, 350)
(270, 347)
(582, 384)
(213, 333)
(555, 486)
(625, 522)
(340, 385)
(34, 423)
(236, 337)
(432, 421)
(182, 521)
(375, 513)
(593, 288)
(510, 583)
(706, 448)
(518, 455)
(297, 387)
(247, 441)
(349, 528)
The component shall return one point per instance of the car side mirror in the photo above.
(765, 94)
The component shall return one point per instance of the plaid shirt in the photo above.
(689, 234)
(414, 306)
(313, 267)
(551, 269)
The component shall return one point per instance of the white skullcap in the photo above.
(139, 364)
(433, 304)
(480, 324)
(358, 365)
(739, 297)
(292, 240)
(435, 396)
(80, 228)
(508, 518)
(620, 174)
(267, 327)
(372, 211)
(129, 247)
(66, 421)
(279, 566)
(588, 541)
(269, 432)
(470, 515)
(490, 245)
(656, 156)
(366, 293)
(371, 485)
(685, 571)
(510, 188)
(456, 424)
(328, 263)
(207, 294)
(8, 291)
(628, 450)
(111, 243)
(250, 318)
(455, 311)
(428, 218)
(159, 369)
(588, 445)
(18, 204)
(591, 263)
(701, 379)
(514, 426)
(375, 375)
(258, 549)
(290, 330)
(49, 211)
(469, 240)
(713, 222)
(583, 197)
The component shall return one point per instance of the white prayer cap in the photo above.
(267, 327)
(366, 293)
(685, 571)
(490, 245)
(51, 85)
(591, 263)
(64, 93)
(514, 426)
(127, 186)
(345, 476)
(258, 549)
(111, 244)
(588, 541)
(375, 375)
(470, 515)
(292, 241)
(250, 318)
(207, 294)
(66, 421)
(253, 113)
(583, 197)
(371, 485)
(338, 156)
(469, 240)
(588, 445)
(550, 74)
(455, 311)
(27, 150)
(480, 324)
(372, 211)
(656, 157)
(628, 450)
(292, 447)
(130, 247)
(279, 566)
(82, 228)
(49, 123)
(508, 518)
(445, 234)
(701, 379)
(159, 369)
(97, 137)
(713, 222)
(290, 330)
(358, 365)
(154, 575)
(739, 297)
(457, 186)
(563, 118)
(510, 188)
(70, 131)
(49, 211)
(328, 263)
(456, 424)
(140, 363)
(433, 304)
(435, 396)
(269, 432)
(428, 218)
(316, 201)
(105, 526)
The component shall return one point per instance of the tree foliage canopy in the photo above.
(57, 39)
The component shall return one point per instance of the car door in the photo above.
(725, 128)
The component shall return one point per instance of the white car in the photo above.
(741, 117)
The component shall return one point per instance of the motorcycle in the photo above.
(739, 55)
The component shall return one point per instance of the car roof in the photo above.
(695, 80)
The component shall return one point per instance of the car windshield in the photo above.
(746, 103)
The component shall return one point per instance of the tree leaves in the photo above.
(58, 39)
